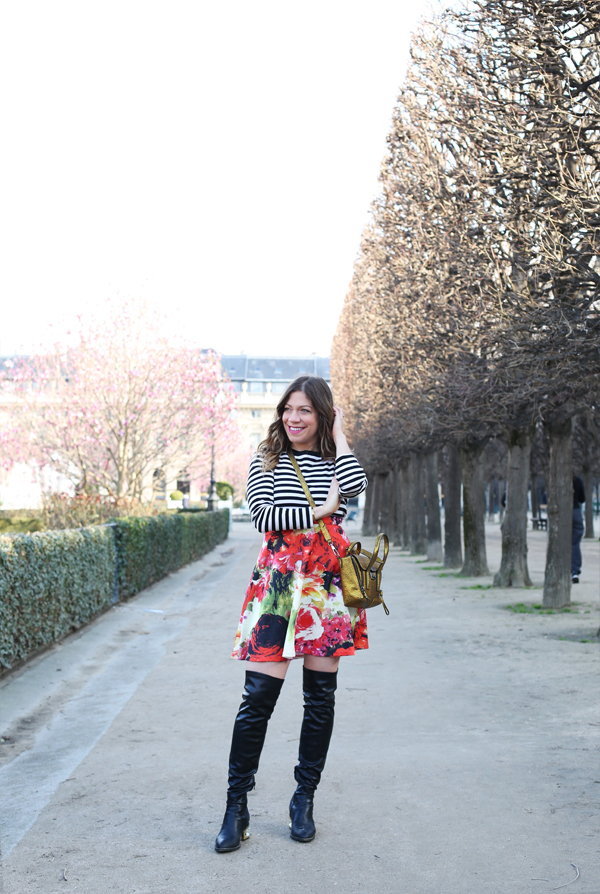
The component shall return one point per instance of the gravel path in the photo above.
(465, 759)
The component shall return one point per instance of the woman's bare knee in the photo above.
(270, 668)
(315, 663)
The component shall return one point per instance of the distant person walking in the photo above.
(294, 605)
(578, 528)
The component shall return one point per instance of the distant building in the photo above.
(260, 382)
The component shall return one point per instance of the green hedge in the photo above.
(53, 582)
(150, 548)
(50, 583)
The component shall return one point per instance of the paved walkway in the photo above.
(465, 757)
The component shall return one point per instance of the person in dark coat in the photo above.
(578, 528)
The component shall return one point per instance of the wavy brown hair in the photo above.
(277, 441)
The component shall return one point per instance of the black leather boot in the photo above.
(260, 696)
(235, 824)
(317, 726)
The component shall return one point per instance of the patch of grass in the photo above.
(448, 574)
(523, 609)
(590, 639)
(478, 587)
(538, 609)
(432, 568)
(421, 561)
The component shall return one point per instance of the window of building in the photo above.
(256, 387)
(255, 440)
(159, 484)
(183, 482)
(256, 414)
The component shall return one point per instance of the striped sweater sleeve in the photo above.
(265, 515)
(350, 475)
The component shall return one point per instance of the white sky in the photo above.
(217, 158)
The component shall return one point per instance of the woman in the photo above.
(294, 605)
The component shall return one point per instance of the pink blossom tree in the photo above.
(120, 400)
(232, 467)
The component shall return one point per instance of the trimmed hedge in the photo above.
(53, 582)
(151, 547)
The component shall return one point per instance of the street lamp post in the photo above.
(213, 497)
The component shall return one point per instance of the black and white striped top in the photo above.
(276, 499)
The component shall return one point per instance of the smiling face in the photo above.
(301, 421)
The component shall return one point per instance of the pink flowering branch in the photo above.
(120, 402)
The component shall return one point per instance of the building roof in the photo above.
(247, 367)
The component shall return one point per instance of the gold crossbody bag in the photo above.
(360, 571)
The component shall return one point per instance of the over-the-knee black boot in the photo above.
(317, 726)
(260, 695)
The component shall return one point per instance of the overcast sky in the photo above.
(217, 158)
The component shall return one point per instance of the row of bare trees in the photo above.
(474, 309)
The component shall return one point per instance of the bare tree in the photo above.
(474, 307)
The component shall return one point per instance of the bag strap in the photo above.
(386, 548)
(306, 490)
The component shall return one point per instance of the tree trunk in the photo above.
(384, 503)
(540, 487)
(380, 510)
(588, 484)
(434, 525)
(491, 515)
(388, 495)
(418, 530)
(557, 582)
(452, 492)
(367, 525)
(404, 482)
(376, 507)
(391, 527)
(513, 567)
(398, 507)
(471, 458)
(535, 503)
(501, 495)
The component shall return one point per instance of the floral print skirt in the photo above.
(294, 604)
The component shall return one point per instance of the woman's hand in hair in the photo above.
(337, 431)
(331, 504)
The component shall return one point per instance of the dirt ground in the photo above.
(465, 758)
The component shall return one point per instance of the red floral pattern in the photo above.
(294, 604)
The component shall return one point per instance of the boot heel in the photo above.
(246, 834)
